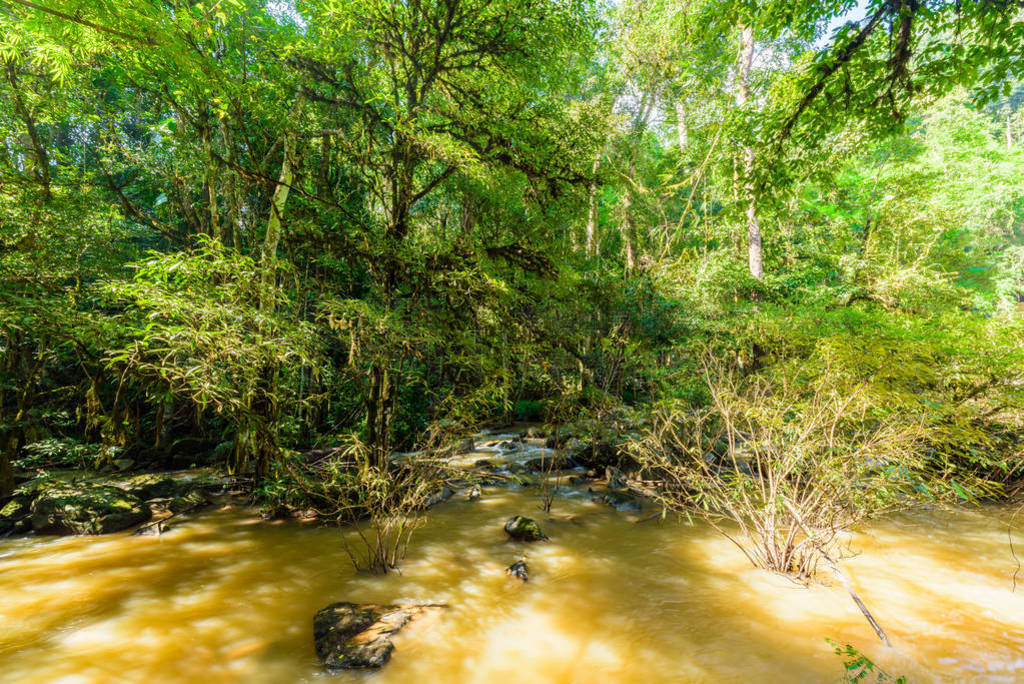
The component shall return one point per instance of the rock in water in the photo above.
(519, 570)
(86, 509)
(620, 501)
(524, 529)
(440, 496)
(350, 636)
(474, 493)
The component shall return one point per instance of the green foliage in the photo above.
(860, 668)
(242, 231)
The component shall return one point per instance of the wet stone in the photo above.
(352, 636)
(86, 509)
(524, 529)
(519, 570)
(619, 500)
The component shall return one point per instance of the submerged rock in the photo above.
(86, 509)
(525, 529)
(620, 501)
(519, 570)
(351, 636)
(440, 496)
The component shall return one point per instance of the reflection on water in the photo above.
(226, 598)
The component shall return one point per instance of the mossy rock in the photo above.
(179, 504)
(14, 516)
(86, 509)
(193, 499)
(524, 529)
(150, 486)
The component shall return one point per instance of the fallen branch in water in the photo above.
(839, 574)
(142, 528)
(1013, 551)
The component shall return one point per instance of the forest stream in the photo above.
(229, 597)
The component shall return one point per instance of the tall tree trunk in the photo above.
(210, 182)
(591, 237)
(754, 251)
(379, 414)
(626, 227)
(264, 404)
(6, 470)
(233, 229)
(1009, 133)
(682, 130)
(273, 235)
(42, 166)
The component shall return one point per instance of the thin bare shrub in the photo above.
(548, 488)
(781, 469)
(387, 506)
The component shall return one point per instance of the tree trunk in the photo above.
(6, 472)
(264, 403)
(379, 413)
(626, 227)
(591, 238)
(754, 251)
(682, 132)
(233, 229)
(210, 183)
(42, 170)
(273, 234)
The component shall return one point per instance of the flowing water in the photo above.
(227, 598)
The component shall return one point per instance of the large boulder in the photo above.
(524, 529)
(351, 636)
(67, 508)
(152, 486)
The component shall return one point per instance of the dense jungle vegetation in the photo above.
(767, 257)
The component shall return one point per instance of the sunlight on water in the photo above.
(224, 599)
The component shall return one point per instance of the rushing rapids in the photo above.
(227, 597)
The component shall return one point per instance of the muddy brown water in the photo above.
(227, 598)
